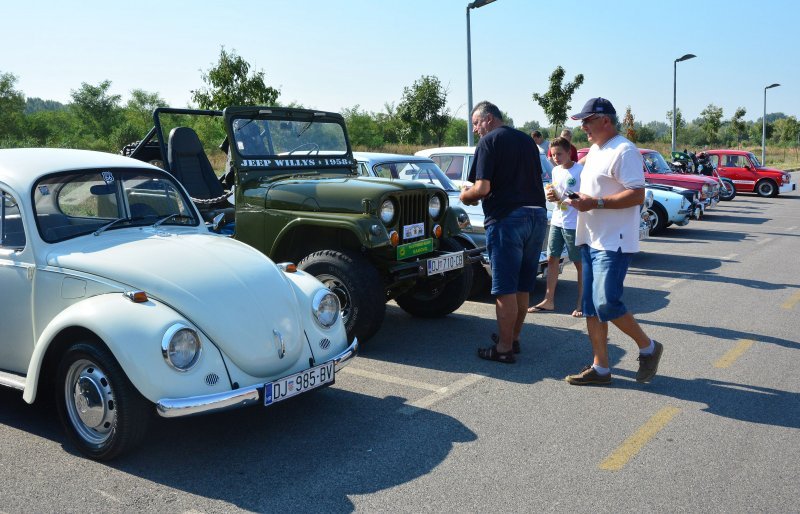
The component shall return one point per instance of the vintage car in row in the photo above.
(120, 302)
(298, 197)
(415, 167)
(748, 175)
(671, 205)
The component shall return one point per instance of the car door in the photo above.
(16, 273)
(739, 170)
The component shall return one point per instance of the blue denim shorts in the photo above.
(559, 238)
(514, 244)
(603, 278)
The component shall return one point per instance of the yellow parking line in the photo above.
(727, 360)
(390, 379)
(791, 302)
(632, 445)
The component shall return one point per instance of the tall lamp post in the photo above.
(675, 94)
(473, 5)
(764, 127)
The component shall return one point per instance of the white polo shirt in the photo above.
(610, 169)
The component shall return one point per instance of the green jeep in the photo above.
(299, 199)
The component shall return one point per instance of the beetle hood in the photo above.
(230, 291)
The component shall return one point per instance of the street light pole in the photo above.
(473, 5)
(675, 95)
(764, 127)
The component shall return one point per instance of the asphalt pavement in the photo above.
(419, 423)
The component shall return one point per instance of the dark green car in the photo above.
(299, 199)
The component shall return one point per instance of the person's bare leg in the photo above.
(578, 312)
(522, 311)
(549, 302)
(628, 325)
(506, 308)
(598, 335)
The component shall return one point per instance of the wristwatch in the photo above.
(600, 203)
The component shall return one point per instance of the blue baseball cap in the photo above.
(595, 106)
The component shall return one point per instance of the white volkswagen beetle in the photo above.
(116, 296)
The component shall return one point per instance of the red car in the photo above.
(748, 175)
(657, 171)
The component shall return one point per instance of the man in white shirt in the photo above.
(611, 193)
(542, 143)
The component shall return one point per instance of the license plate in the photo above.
(444, 263)
(412, 231)
(299, 383)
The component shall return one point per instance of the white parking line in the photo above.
(427, 401)
(790, 229)
(391, 379)
(672, 283)
(763, 241)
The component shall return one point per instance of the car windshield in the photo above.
(76, 203)
(266, 137)
(419, 171)
(655, 163)
(754, 160)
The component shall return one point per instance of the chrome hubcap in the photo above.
(340, 290)
(90, 402)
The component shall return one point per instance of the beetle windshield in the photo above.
(80, 202)
(655, 163)
(419, 171)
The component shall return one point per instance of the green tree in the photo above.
(424, 111)
(231, 83)
(456, 134)
(362, 128)
(628, 123)
(555, 102)
(12, 107)
(738, 125)
(787, 129)
(710, 122)
(96, 109)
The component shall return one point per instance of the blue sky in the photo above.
(331, 55)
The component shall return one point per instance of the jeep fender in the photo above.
(133, 332)
(357, 225)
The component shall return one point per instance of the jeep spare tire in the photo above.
(357, 285)
(434, 298)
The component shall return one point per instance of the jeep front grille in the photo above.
(413, 209)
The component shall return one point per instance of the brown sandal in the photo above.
(491, 354)
(514, 344)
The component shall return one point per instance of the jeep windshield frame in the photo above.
(283, 141)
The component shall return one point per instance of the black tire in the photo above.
(658, 217)
(357, 284)
(727, 191)
(102, 413)
(766, 188)
(429, 300)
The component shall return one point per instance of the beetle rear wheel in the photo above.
(101, 411)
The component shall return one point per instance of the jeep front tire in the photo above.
(356, 283)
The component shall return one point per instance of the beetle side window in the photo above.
(12, 234)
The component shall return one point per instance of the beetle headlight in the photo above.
(325, 307)
(435, 206)
(181, 347)
(387, 211)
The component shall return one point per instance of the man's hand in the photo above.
(583, 203)
(464, 197)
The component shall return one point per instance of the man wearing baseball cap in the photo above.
(611, 193)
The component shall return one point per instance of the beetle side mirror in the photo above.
(218, 222)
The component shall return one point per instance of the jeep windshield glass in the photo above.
(427, 172)
(655, 163)
(77, 203)
(265, 137)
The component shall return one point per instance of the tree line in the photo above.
(97, 119)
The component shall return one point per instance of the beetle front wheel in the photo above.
(101, 411)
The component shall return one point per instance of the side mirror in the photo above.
(218, 222)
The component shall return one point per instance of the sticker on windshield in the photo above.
(108, 177)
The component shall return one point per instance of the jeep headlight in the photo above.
(325, 307)
(387, 211)
(435, 206)
(180, 347)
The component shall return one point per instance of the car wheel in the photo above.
(766, 188)
(658, 218)
(102, 413)
(357, 284)
(727, 191)
(434, 298)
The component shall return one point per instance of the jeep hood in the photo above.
(335, 194)
(230, 291)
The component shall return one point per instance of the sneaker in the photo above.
(648, 364)
(588, 376)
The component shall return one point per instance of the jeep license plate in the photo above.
(299, 383)
(451, 261)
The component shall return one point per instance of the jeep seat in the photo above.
(190, 165)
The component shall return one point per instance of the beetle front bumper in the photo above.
(179, 407)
